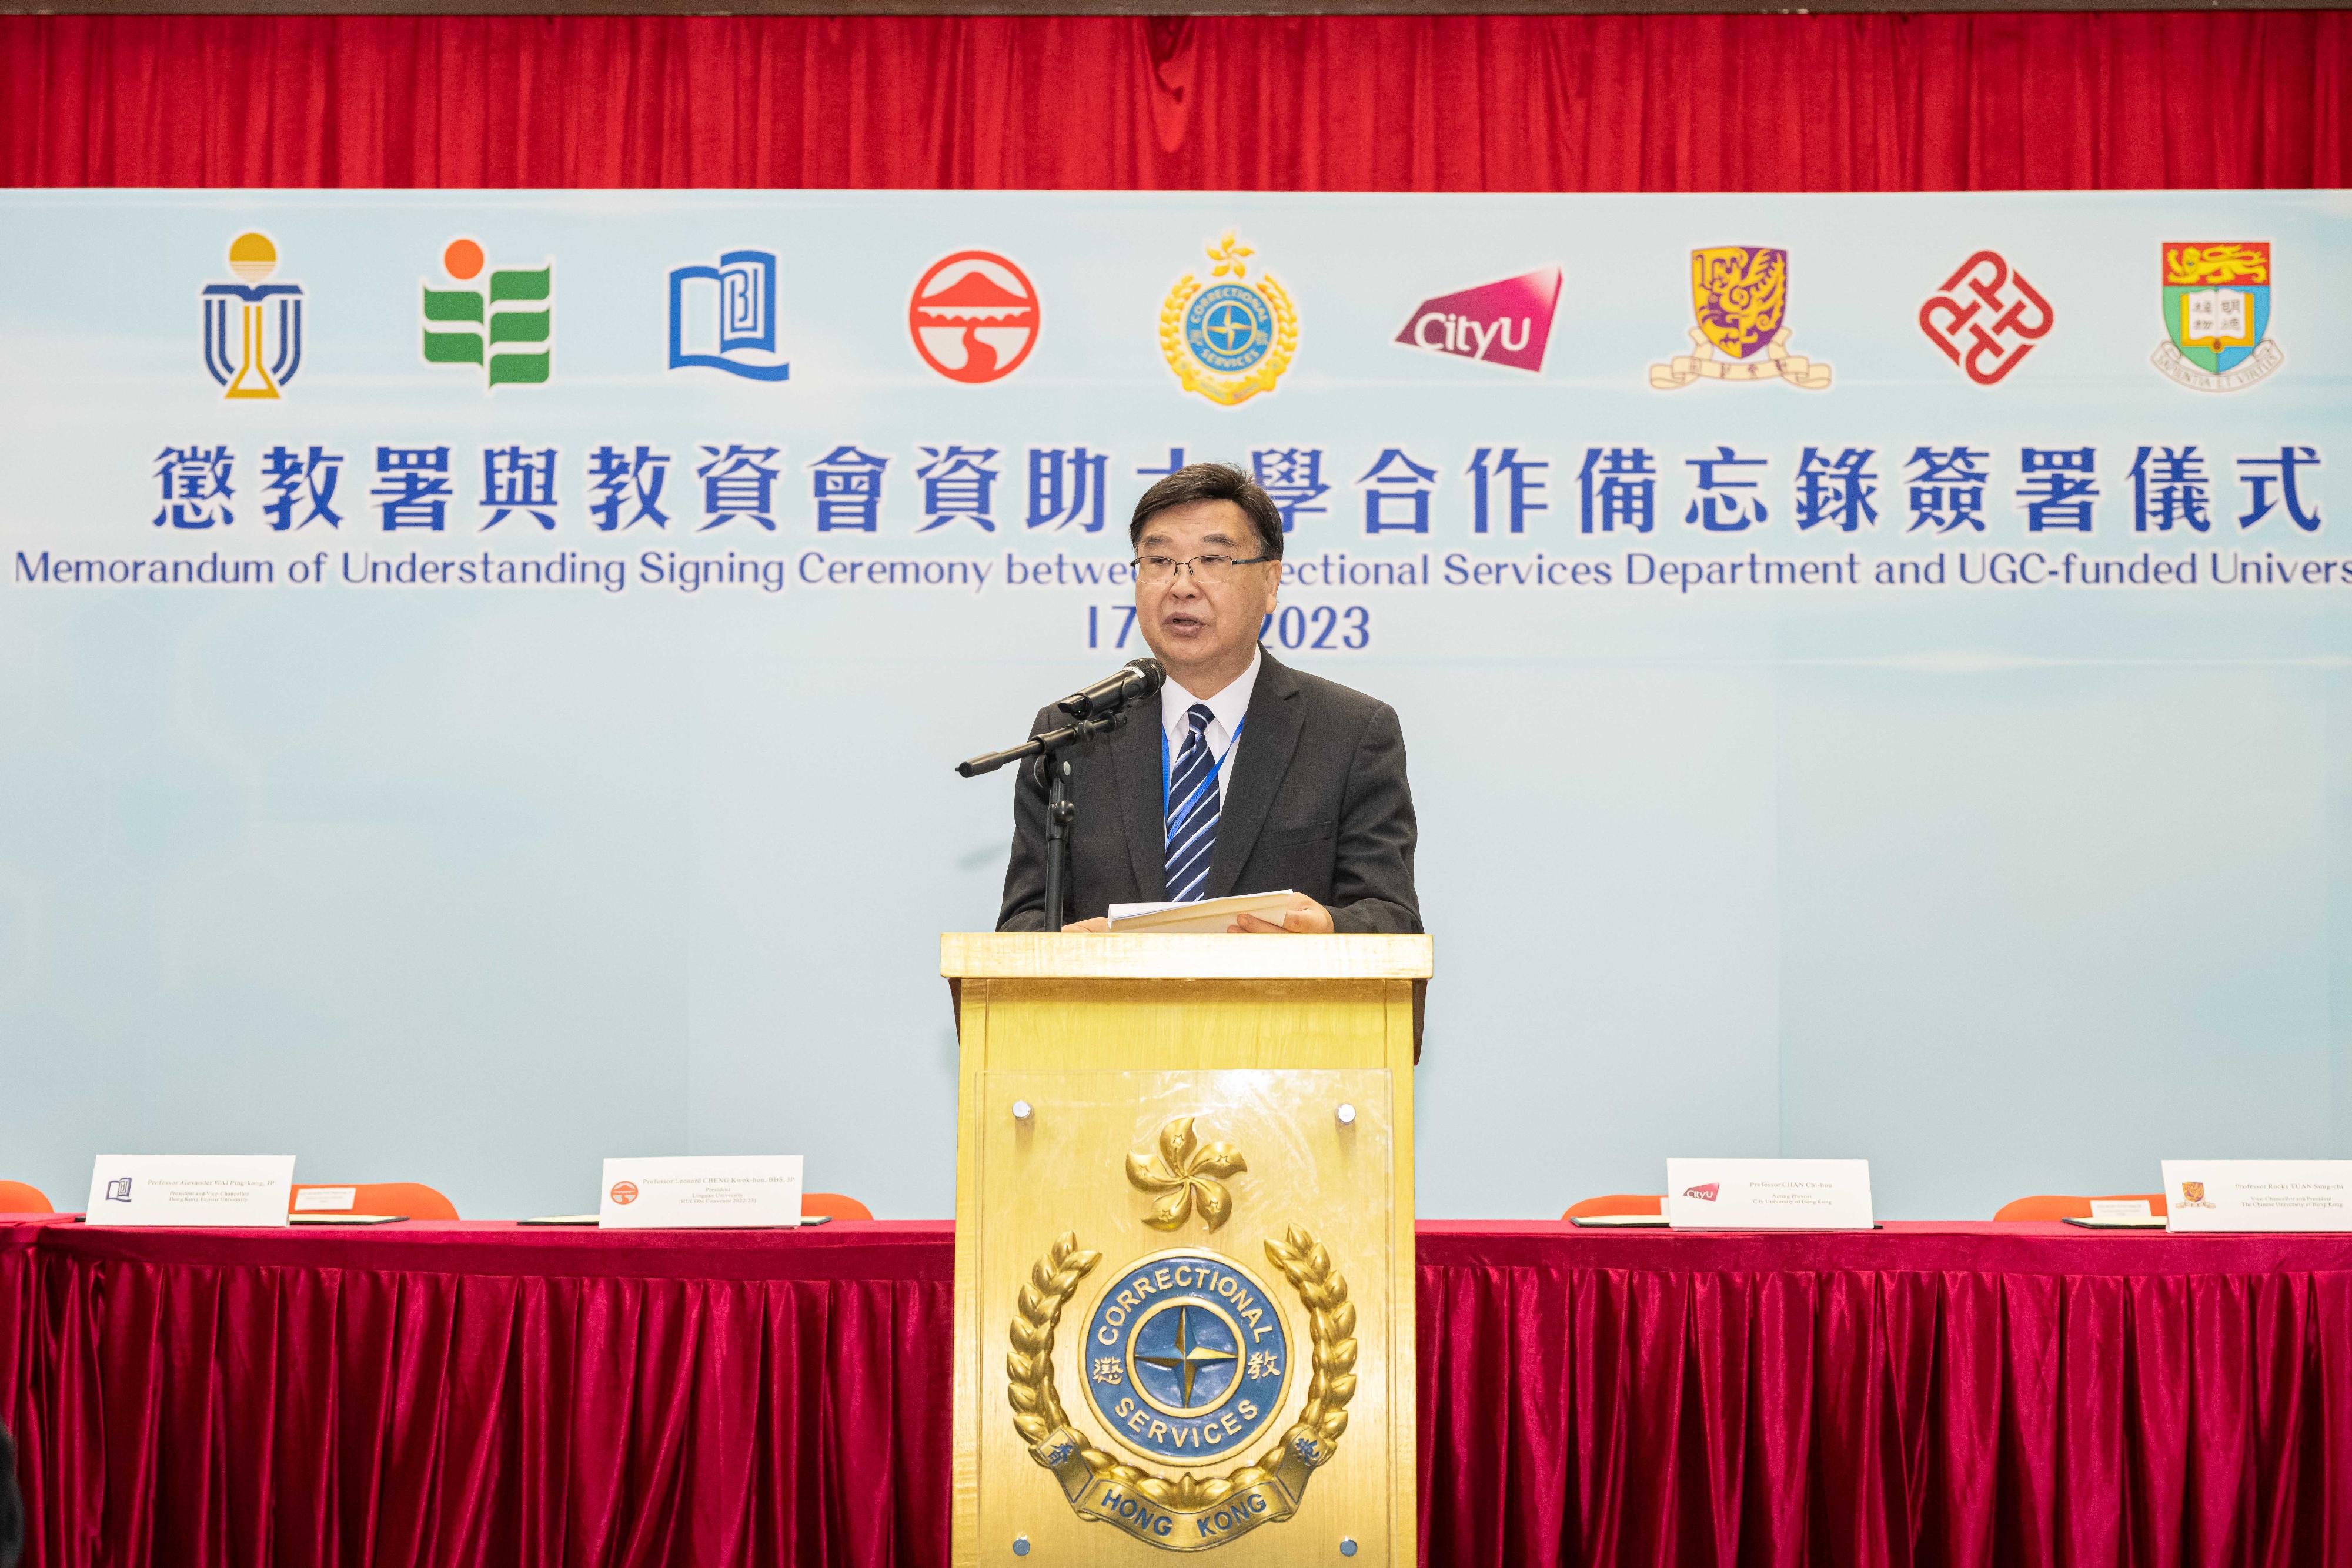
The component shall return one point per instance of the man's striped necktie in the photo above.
(1192, 811)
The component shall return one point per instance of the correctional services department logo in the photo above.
(504, 323)
(2216, 309)
(253, 329)
(973, 317)
(1230, 340)
(1185, 1356)
(1740, 293)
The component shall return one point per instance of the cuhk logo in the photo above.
(973, 317)
(1504, 323)
(1707, 1194)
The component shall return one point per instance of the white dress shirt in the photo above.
(1228, 708)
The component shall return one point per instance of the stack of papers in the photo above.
(1211, 915)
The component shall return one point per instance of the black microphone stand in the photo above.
(1051, 773)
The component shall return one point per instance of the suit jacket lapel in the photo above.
(1135, 763)
(1269, 735)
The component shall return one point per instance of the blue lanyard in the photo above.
(1206, 784)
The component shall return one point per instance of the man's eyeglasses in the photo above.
(1205, 568)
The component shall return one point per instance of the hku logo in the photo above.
(728, 313)
(1504, 323)
(2216, 309)
(505, 327)
(251, 348)
(1986, 318)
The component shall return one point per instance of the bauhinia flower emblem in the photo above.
(1186, 1175)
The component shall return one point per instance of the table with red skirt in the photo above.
(479, 1393)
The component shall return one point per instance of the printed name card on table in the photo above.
(1769, 1194)
(190, 1189)
(2258, 1195)
(701, 1191)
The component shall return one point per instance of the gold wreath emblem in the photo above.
(1197, 377)
(1099, 1485)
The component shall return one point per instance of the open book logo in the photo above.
(1705, 1193)
(723, 317)
(118, 1190)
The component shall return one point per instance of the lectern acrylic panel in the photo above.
(1191, 1270)
(1184, 1271)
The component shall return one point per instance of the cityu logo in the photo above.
(1504, 323)
(1706, 1194)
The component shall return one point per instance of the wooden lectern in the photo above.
(1184, 1248)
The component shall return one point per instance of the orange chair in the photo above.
(833, 1205)
(1623, 1203)
(15, 1197)
(2063, 1206)
(411, 1199)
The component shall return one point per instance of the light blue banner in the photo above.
(483, 669)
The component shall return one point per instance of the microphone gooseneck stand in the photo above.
(1051, 773)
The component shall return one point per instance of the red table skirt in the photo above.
(456, 1395)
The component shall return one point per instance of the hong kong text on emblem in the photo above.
(1185, 1358)
(1740, 293)
(2217, 313)
(1229, 341)
(1986, 318)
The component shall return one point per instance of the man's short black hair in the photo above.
(1213, 482)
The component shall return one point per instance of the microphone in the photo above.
(1135, 679)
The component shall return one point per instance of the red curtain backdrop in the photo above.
(1931, 102)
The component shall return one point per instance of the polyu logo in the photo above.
(1706, 1194)
(1504, 323)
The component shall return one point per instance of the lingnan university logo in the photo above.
(2217, 312)
(1986, 318)
(1740, 295)
(1228, 340)
(973, 317)
(1186, 1362)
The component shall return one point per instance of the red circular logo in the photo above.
(973, 317)
(625, 1192)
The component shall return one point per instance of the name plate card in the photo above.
(701, 1192)
(2258, 1195)
(190, 1189)
(1769, 1194)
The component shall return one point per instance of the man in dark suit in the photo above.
(1245, 775)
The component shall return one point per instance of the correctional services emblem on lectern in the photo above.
(1740, 295)
(1185, 1358)
(1228, 340)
